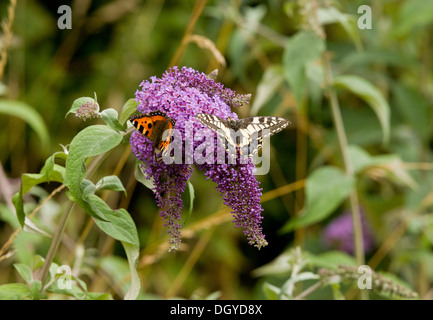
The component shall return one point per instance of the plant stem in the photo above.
(308, 291)
(342, 140)
(62, 225)
(301, 166)
(55, 243)
(189, 263)
(9, 242)
(7, 36)
(196, 12)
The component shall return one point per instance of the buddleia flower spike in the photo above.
(181, 94)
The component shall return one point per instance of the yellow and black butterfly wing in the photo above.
(245, 134)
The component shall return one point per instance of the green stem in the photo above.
(62, 225)
(309, 290)
(55, 243)
(342, 140)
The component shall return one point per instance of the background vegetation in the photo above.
(360, 103)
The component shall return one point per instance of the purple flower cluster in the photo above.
(338, 234)
(181, 94)
(240, 190)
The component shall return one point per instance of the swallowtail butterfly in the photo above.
(244, 134)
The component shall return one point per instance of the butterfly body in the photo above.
(156, 126)
(245, 135)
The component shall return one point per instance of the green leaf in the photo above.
(191, 199)
(70, 285)
(88, 187)
(14, 291)
(414, 14)
(112, 183)
(238, 52)
(82, 284)
(79, 102)
(370, 94)
(116, 267)
(269, 84)
(98, 296)
(119, 224)
(302, 49)
(127, 110)
(326, 188)
(110, 117)
(361, 159)
(56, 173)
(377, 56)
(8, 215)
(414, 110)
(53, 270)
(17, 200)
(132, 252)
(35, 288)
(24, 271)
(390, 163)
(213, 295)
(77, 289)
(336, 292)
(327, 15)
(37, 262)
(304, 276)
(50, 172)
(281, 265)
(74, 291)
(139, 175)
(121, 227)
(61, 276)
(271, 292)
(3, 89)
(29, 115)
(331, 259)
(89, 142)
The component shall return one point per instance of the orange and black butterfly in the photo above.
(157, 127)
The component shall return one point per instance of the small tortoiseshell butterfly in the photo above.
(153, 126)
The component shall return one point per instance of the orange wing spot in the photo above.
(164, 145)
(143, 124)
(150, 124)
(156, 118)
